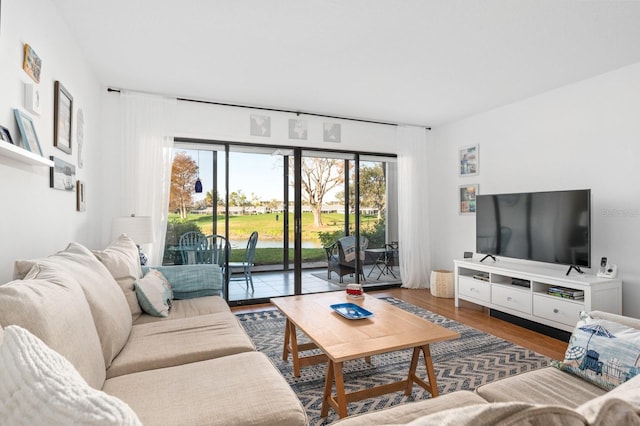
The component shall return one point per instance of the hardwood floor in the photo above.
(469, 314)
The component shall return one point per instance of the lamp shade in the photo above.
(138, 228)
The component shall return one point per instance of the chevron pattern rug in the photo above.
(472, 360)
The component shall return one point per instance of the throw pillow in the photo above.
(123, 262)
(154, 294)
(39, 386)
(602, 352)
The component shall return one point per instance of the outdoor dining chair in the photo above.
(247, 261)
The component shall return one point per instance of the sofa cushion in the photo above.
(108, 305)
(503, 414)
(154, 294)
(602, 352)
(621, 406)
(122, 259)
(39, 386)
(544, 386)
(243, 389)
(168, 343)
(189, 308)
(56, 311)
(405, 413)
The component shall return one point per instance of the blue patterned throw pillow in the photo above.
(602, 352)
(154, 294)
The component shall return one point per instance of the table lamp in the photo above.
(138, 228)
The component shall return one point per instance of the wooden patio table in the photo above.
(341, 339)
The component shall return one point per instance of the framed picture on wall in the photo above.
(468, 161)
(62, 175)
(31, 64)
(62, 117)
(81, 205)
(467, 198)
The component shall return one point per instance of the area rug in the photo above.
(472, 360)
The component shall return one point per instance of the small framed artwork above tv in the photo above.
(467, 198)
(468, 161)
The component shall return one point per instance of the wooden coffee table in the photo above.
(341, 339)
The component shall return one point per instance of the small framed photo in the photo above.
(32, 99)
(468, 161)
(260, 125)
(297, 129)
(62, 175)
(467, 199)
(62, 117)
(28, 132)
(5, 135)
(31, 64)
(332, 132)
(81, 205)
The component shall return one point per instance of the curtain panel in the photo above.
(147, 145)
(413, 206)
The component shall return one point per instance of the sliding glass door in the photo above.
(298, 201)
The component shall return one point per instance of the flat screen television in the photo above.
(552, 227)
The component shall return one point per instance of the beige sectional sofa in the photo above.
(197, 366)
(544, 397)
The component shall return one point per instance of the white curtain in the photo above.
(413, 207)
(147, 144)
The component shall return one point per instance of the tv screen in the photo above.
(552, 227)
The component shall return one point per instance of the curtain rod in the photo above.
(361, 120)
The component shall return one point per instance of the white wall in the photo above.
(585, 135)
(36, 220)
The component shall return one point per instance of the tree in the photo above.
(184, 173)
(319, 176)
(373, 187)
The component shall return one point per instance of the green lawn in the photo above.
(269, 229)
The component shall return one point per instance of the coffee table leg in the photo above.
(328, 384)
(432, 386)
(285, 351)
(294, 349)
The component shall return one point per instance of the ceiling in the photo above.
(423, 62)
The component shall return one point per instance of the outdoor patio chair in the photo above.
(341, 257)
(247, 261)
(189, 244)
(215, 251)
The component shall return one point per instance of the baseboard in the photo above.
(531, 325)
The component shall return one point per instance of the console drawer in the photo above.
(519, 300)
(476, 289)
(555, 309)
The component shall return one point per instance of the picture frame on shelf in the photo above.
(30, 140)
(468, 160)
(62, 175)
(467, 199)
(5, 135)
(31, 64)
(62, 118)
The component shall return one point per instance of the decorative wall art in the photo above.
(332, 132)
(5, 135)
(297, 129)
(260, 125)
(30, 140)
(32, 98)
(62, 117)
(468, 161)
(80, 136)
(80, 200)
(31, 63)
(62, 175)
(467, 199)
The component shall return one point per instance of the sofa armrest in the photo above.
(190, 281)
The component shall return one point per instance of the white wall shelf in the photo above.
(21, 154)
(498, 290)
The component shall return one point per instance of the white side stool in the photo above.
(442, 283)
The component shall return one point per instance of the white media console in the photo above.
(499, 291)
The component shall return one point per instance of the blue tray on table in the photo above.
(351, 311)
